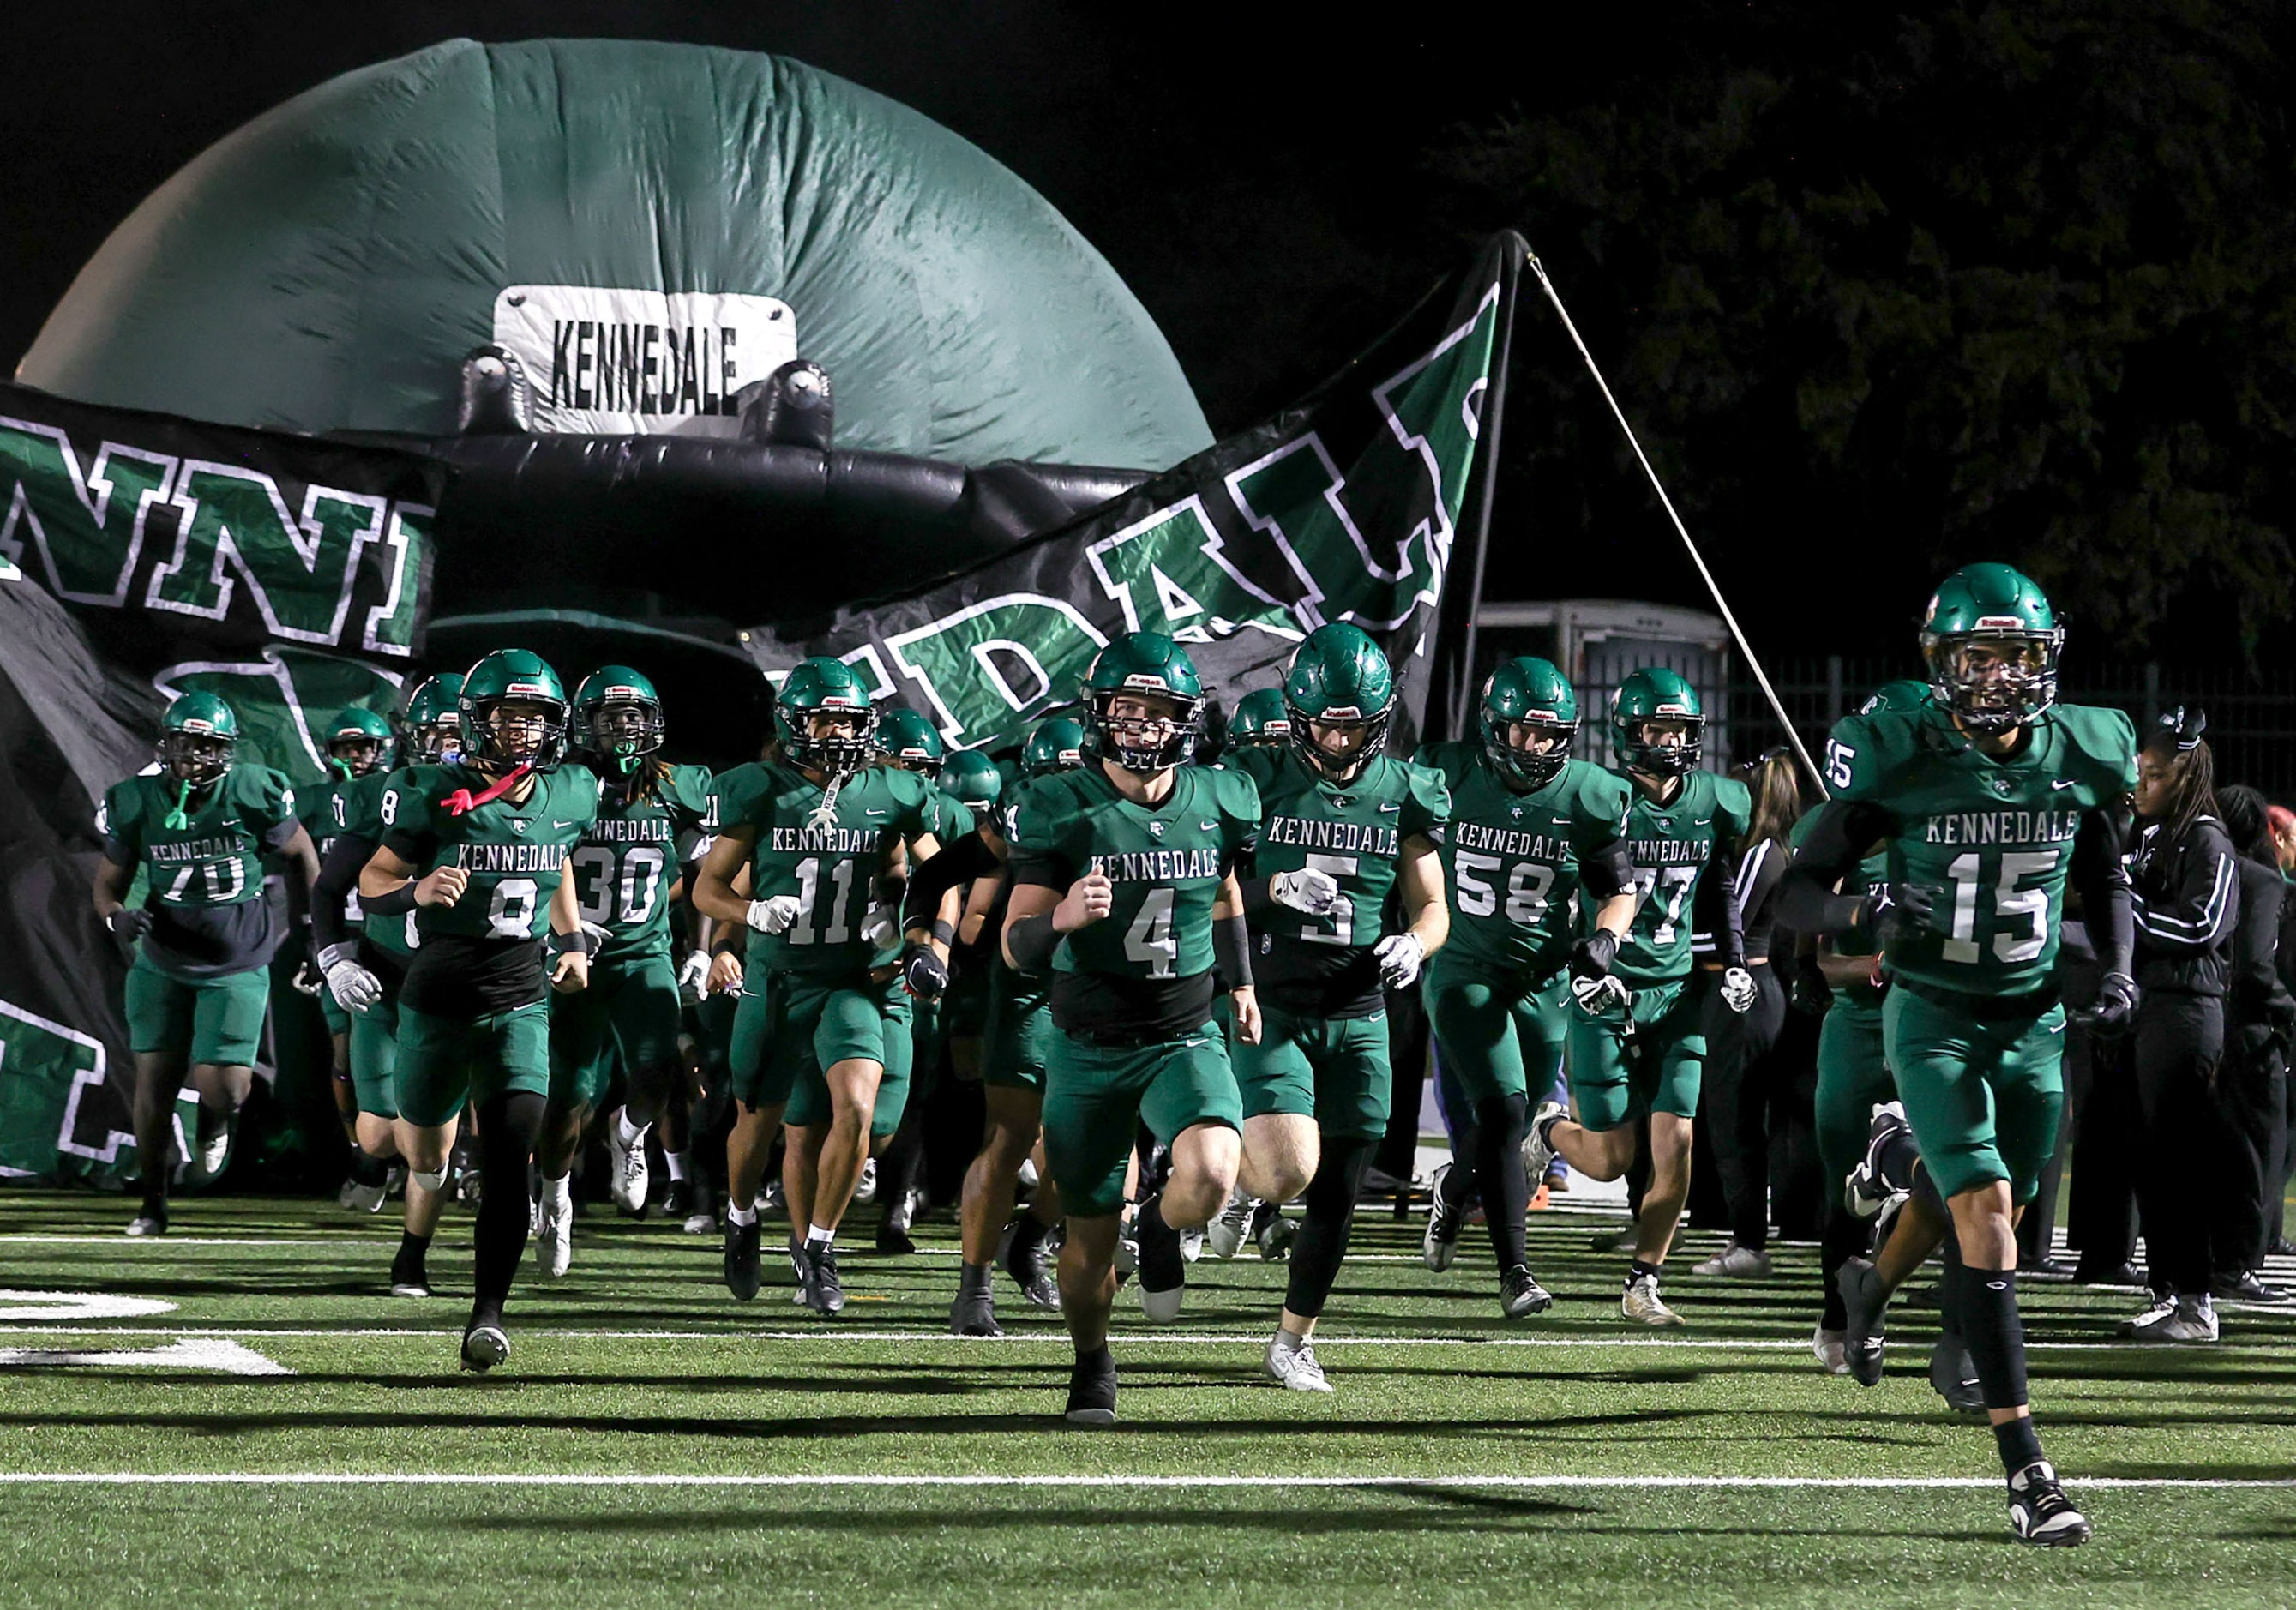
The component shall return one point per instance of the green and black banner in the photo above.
(1350, 506)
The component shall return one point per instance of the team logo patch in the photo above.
(516, 826)
(1155, 830)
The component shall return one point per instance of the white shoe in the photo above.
(343, 1195)
(215, 1151)
(2159, 1311)
(147, 1224)
(1832, 1350)
(864, 1189)
(1536, 1154)
(1735, 1263)
(1294, 1368)
(2188, 1319)
(1643, 1304)
(627, 1179)
(553, 1237)
(1225, 1233)
(366, 1198)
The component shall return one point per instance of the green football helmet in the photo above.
(1340, 678)
(1260, 720)
(430, 728)
(1145, 665)
(1903, 694)
(974, 778)
(908, 740)
(359, 742)
(1059, 744)
(1655, 693)
(617, 718)
(513, 676)
(1991, 641)
(1529, 692)
(823, 686)
(197, 735)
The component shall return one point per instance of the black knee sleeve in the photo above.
(1500, 1122)
(1990, 1329)
(1322, 1243)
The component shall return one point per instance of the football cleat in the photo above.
(1092, 1394)
(1163, 1271)
(864, 1189)
(1641, 1302)
(2159, 1308)
(742, 1276)
(1520, 1295)
(1440, 1244)
(1829, 1345)
(214, 1149)
(1735, 1263)
(824, 1292)
(366, 1198)
(2182, 1319)
(1225, 1234)
(484, 1346)
(1953, 1375)
(1191, 1245)
(1274, 1232)
(343, 1193)
(974, 1311)
(1294, 1368)
(2040, 1513)
(1865, 1188)
(408, 1276)
(627, 1175)
(771, 1200)
(553, 1237)
(1865, 1305)
(1538, 1144)
(1026, 1261)
(1626, 1241)
(893, 1237)
(148, 1223)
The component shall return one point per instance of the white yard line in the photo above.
(312, 1478)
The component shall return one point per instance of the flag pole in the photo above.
(1728, 620)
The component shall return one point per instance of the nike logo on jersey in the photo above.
(1389, 809)
(873, 815)
(1702, 821)
(1206, 826)
(2061, 783)
(554, 822)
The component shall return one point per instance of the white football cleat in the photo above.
(1735, 1263)
(1294, 1368)
(1643, 1304)
(626, 1177)
(1225, 1235)
(1440, 1244)
(1832, 1350)
(553, 1237)
(864, 1189)
(215, 1150)
(1536, 1154)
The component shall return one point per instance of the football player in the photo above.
(1260, 721)
(363, 962)
(649, 824)
(199, 824)
(1531, 827)
(1637, 1034)
(1341, 825)
(479, 849)
(1125, 887)
(1989, 798)
(815, 830)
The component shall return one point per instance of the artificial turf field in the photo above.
(652, 1441)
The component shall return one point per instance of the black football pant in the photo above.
(2253, 1114)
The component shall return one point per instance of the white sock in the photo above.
(626, 1137)
(676, 1164)
(559, 1192)
(743, 1216)
(817, 1234)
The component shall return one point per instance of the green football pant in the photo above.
(1020, 1024)
(627, 1017)
(1645, 1057)
(1498, 1036)
(211, 1021)
(791, 1026)
(808, 1097)
(1333, 1069)
(1983, 1092)
(447, 1062)
(1853, 1076)
(1097, 1098)
(374, 1059)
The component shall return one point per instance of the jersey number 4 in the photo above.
(1151, 940)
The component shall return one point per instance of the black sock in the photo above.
(1996, 1340)
(1897, 1160)
(1028, 1234)
(510, 1122)
(1095, 1362)
(1636, 1270)
(1500, 1122)
(368, 1171)
(1322, 1243)
(412, 1246)
(2018, 1442)
(1950, 1285)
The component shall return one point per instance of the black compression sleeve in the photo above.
(958, 863)
(1607, 872)
(2101, 876)
(1231, 951)
(1839, 835)
(338, 878)
(1032, 940)
(1715, 911)
(399, 902)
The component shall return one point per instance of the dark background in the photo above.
(1886, 292)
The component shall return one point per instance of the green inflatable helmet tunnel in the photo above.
(328, 266)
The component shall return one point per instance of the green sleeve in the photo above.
(957, 819)
(266, 798)
(1733, 810)
(687, 793)
(1426, 803)
(1041, 824)
(405, 808)
(2106, 740)
(916, 804)
(1258, 764)
(586, 793)
(1858, 752)
(734, 797)
(1598, 811)
(120, 815)
(1240, 814)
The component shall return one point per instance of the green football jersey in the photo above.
(1857, 940)
(1991, 837)
(1511, 860)
(956, 818)
(1673, 847)
(1355, 832)
(626, 863)
(833, 870)
(1165, 864)
(216, 859)
(360, 801)
(515, 854)
(324, 813)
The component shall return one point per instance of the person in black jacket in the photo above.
(2183, 873)
(2252, 1082)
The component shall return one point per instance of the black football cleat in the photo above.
(1092, 1393)
(1865, 1304)
(742, 1277)
(1954, 1377)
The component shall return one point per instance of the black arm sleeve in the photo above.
(1714, 910)
(1607, 872)
(969, 857)
(2101, 877)
(2192, 915)
(1032, 940)
(2256, 993)
(330, 895)
(1841, 834)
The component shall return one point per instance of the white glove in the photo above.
(307, 982)
(1399, 955)
(598, 934)
(1738, 991)
(881, 926)
(1594, 994)
(773, 915)
(1316, 893)
(693, 977)
(353, 988)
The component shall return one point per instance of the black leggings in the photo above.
(2178, 1042)
(1735, 1098)
(508, 1125)
(1323, 1240)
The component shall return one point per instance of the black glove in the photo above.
(1898, 909)
(129, 922)
(2115, 1008)
(1810, 994)
(923, 974)
(1591, 957)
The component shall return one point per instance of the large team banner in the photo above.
(1347, 507)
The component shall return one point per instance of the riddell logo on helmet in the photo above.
(1539, 715)
(1341, 712)
(2012, 623)
(1143, 679)
(623, 693)
(1672, 707)
(847, 700)
(527, 690)
(197, 723)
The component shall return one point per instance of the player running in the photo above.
(478, 849)
(649, 826)
(1341, 825)
(1990, 799)
(1637, 1028)
(197, 824)
(1124, 887)
(1531, 827)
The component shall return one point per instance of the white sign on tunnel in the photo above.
(621, 362)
